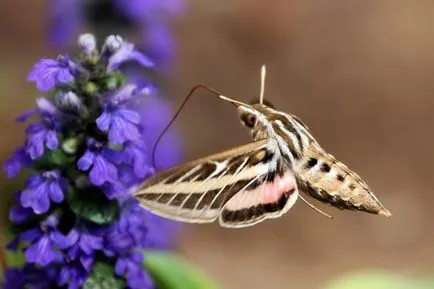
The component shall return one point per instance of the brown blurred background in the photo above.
(359, 73)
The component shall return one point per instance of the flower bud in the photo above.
(69, 146)
(113, 43)
(87, 43)
(68, 101)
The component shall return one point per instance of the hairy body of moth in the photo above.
(257, 181)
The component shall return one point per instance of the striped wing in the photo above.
(243, 186)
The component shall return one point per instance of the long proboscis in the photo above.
(203, 86)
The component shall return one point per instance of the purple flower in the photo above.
(130, 266)
(29, 277)
(138, 279)
(99, 160)
(14, 164)
(128, 263)
(134, 155)
(80, 238)
(49, 72)
(122, 51)
(121, 123)
(41, 134)
(98, 135)
(116, 190)
(40, 189)
(19, 214)
(72, 274)
(128, 232)
(44, 248)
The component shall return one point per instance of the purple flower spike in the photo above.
(40, 189)
(99, 161)
(124, 51)
(49, 72)
(18, 160)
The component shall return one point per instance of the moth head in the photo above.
(253, 118)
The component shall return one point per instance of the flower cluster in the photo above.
(149, 16)
(75, 220)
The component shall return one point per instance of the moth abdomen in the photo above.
(330, 181)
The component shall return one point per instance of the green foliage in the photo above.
(102, 277)
(52, 159)
(93, 205)
(170, 271)
(376, 280)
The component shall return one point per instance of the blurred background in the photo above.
(359, 73)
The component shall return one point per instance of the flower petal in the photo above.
(51, 140)
(86, 161)
(55, 192)
(42, 252)
(19, 214)
(102, 171)
(129, 115)
(104, 121)
(36, 198)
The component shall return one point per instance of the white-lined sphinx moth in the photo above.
(259, 180)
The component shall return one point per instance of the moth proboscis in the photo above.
(260, 180)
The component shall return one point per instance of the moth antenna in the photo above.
(203, 86)
(263, 75)
(315, 208)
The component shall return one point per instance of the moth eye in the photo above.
(250, 120)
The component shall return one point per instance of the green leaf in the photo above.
(93, 206)
(102, 277)
(171, 271)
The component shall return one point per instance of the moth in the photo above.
(260, 180)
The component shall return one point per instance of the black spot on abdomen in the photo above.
(325, 168)
(311, 163)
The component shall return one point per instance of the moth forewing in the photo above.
(243, 186)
